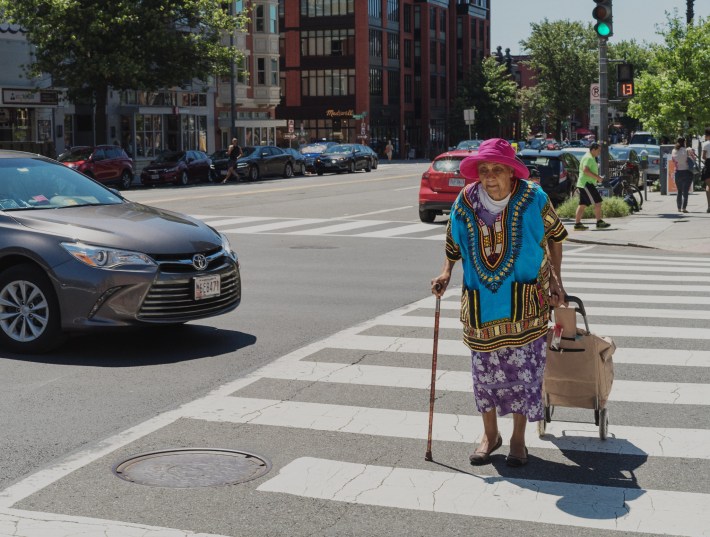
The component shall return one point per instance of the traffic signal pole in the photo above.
(603, 109)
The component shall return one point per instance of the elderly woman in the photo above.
(509, 238)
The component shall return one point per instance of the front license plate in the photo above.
(224, 172)
(155, 176)
(455, 181)
(206, 286)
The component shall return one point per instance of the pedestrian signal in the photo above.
(626, 89)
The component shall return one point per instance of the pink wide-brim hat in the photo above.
(493, 150)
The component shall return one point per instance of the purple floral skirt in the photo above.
(510, 379)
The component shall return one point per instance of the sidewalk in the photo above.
(658, 225)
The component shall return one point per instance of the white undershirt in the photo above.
(491, 205)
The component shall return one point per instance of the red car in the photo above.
(441, 183)
(178, 168)
(108, 164)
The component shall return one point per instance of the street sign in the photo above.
(290, 125)
(469, 116)
(594, 115)
(362, 129)
(595, 93)
(289, 136)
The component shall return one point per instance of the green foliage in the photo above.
(670, 98)
(564, 54)
(611, 208)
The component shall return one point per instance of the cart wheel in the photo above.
(549, 410)
(596, 417)
(541, 425)
(603, 423)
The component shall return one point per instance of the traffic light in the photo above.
(625, 80)
(602, 14)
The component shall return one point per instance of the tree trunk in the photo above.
(100, 115)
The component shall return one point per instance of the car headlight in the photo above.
(228, 247)
(242, 164)
(107, 258)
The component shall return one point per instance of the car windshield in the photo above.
(339, 149)
(619, 153)
(169, 156)
(220, 153)
(35, 183)
(468, 144)
(547, 166)
(313, 148)
(75, 155)
(447, 164)
(246, 151)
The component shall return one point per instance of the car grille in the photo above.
(171, 297)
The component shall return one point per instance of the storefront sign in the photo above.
(24, 96)
(339, 113)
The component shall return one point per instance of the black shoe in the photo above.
(478, 458)
(580, 227)
(601, 224)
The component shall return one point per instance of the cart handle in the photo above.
(579, 308)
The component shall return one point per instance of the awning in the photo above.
(582, 131)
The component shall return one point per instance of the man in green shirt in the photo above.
(586, 184)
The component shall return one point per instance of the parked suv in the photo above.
(643, 138)
(557, 171)
(108, 164)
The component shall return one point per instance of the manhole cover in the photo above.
(190, 467)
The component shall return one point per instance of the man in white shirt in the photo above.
(705, 156)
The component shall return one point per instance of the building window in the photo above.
(407, 17)
(432, 19)
(327, 8)
(328, 42)
(261, 71)
(273, 20)
(432, 86)
(442, 87)
(393, 87)
(259, 19)
(375, 44)
(393, 46)
(432, 52)
(149, 134)
(393, 10)
(274, 71)
(407, 52)
(407, 88)
(376, 82)
(442, 22)
(374, 9)
(328, 82)
(194, 132)
(442, 54)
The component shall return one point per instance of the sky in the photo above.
(633, 19)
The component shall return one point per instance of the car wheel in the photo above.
(184, 179)
(374, 164)
(368, 167)
(351, 168)
(29, 311)
(126, 179)
(319, 172)
(212, 176)
(253, 173)
(426, 215)
(288, 171)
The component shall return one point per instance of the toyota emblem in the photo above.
(199, 261)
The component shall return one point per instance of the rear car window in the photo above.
(449, 164)
(547, 166)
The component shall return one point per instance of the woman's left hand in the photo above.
(557, 294)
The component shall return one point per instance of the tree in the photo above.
(670, 98)
(563, 54)
(89, 46)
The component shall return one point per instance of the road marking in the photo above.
(412, 228)
(466, 429)
(612, 271)
(647, 260)
(350, 216)
(236, 220)
(346, 226)
(579, 273)
(276, 225)
(630, 509)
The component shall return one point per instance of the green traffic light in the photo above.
(603, 29)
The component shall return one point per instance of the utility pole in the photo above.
(232, 82)
(603, 108)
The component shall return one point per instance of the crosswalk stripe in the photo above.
(669, 393)
(455, 347)
(681, 286)
(612, 271)
(610, 298)
(383, 422)
(400, 230)
(237, 220)
(548, 502)
(573, 274)
(646, 259)
(276, 225)
(336, 228)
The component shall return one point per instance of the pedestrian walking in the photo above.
(586, 185)
(705, 154)
(234, 153)
(508, 237)
(389, 148)
(681, 157)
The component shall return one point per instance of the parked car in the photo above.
(76, 256)
(468, 144)
(578, 152)
(558, 171)
(220, 164)
(178, 167)
(343, 158)
(311, 151)
(643, 137)
(374, 158)
(441, 183)
(299, 160)
(108, 164)
(653, 171)
(264, 161)
(624, 161)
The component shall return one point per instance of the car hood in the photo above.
(129, 225)
(161, 165)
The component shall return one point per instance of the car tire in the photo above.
(288, 170)
(319, 172)
(254, 173)
(374, 164)
(126, 180)
(212, 176)
(30, 322)
(368, 166)
(184, 179)
(426, 216)
(351, 168)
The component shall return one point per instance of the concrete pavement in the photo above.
(658, 225)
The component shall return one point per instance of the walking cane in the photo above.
(432, 392)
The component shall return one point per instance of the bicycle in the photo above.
(621, 188)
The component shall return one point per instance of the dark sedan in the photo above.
(343, 158)
(374, 159)
(556, 171)
(264, 161)
(313, 151)
(220, 163)
(178, 168)
(299, 160)
(75, 256)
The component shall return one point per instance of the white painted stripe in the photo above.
(670, 393)
(346, 226)
(277, 225)
(20, 523)
(654, 313)
(452, 298)
(636, 277)
(400, 230)
(575, 436)
(674, 332)
(451, 347)
(378, 212)
(644, 261)
(684, 287)
(641, 272)
(549, 502)
(238, 220)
